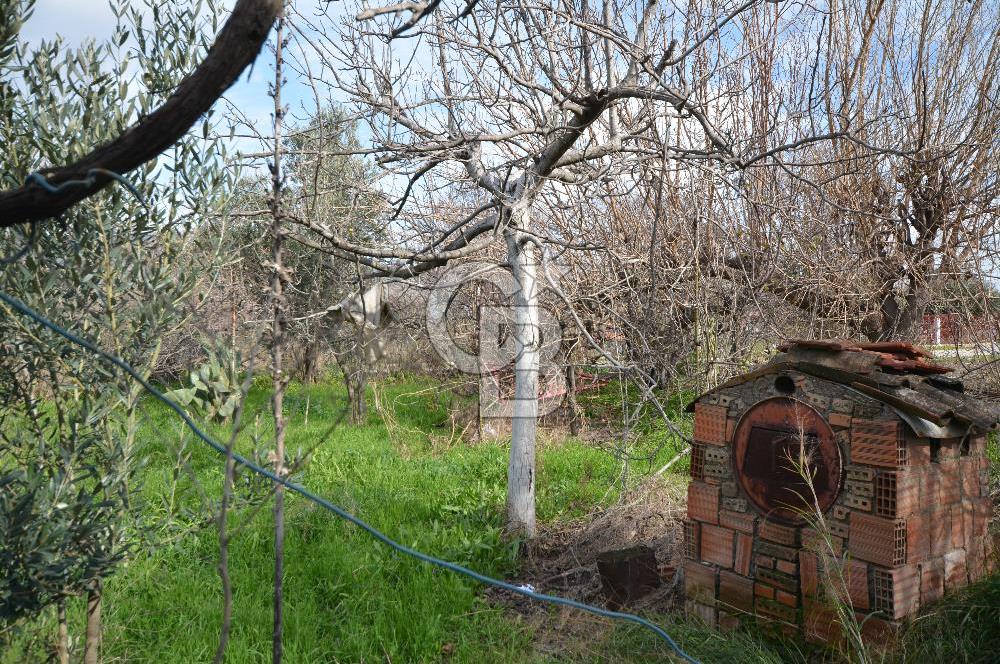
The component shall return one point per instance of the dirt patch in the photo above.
(562, 561)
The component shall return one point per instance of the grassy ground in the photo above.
(348, 599)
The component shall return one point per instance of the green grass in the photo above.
(349, 599)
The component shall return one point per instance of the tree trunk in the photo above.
(900, 321)
(92, 650)
(574, 411)
(310, 362)
(359, 407)
(278, 330)
(521, 468)
(62, 645)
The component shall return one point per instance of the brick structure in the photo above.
(896, 456)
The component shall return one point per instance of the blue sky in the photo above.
(79, 20)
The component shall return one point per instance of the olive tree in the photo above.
(112, 269)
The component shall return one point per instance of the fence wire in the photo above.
(525, 591)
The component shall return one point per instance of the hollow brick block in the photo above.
(703, 502)
(710, 424)
(717, 545)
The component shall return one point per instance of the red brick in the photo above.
(982, 511)
(970, 477)
(957, 527)
(692, 539)
(703, 502)
(932, 485)
(848, 582)
(777, 550)
(968, 523)
(775, 532)
(856, 578)
(919, 452)
(931, 581)
(744, 553)
(760, 590)
(778, 579)
(896, 591)
(777, 611)
(717, 545)
(839, 420)
(765, 561)
(975, 561)
(710, 424)
(918, 539)
(697, 467)
(808, 574)
(786, 598)
(741, 521)
(728, 622)
(877, 632)
(730, 428)
(956, 574)
(735, 591)
(897, 493)
(951, 483)
(939, 524)
(838, 528)
(820, 622)
(855, 502)
(830, 544)
(877, 540)
(699, 582)
(704, 612)
(860, 474)
(877, 443)
(786, 566)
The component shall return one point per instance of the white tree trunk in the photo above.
(527, 337)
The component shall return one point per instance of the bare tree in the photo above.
(519, 107)
(861, 232)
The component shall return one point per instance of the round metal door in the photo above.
(787, 460)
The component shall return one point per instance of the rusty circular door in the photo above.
(777, 443)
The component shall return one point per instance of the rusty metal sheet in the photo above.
(774, 437)
(895, 347)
